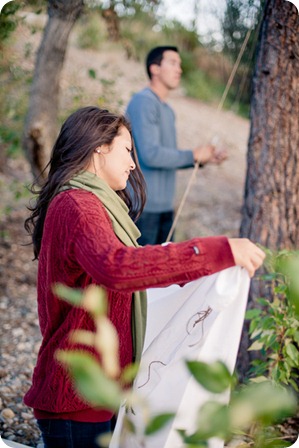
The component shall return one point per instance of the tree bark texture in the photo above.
(112, 23)
(270, 213)
(271, 202)
(40, 128)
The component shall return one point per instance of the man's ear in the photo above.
(154, 69)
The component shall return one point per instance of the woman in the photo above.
(82, 234)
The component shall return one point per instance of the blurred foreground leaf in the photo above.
(70, 295)
(261, 402)
(90, 381)
(158, 422)
(214, 377)
(93, 299)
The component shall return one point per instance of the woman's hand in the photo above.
(246, 254)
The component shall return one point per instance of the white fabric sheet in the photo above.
(201, 321)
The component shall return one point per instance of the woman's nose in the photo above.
(132, 165)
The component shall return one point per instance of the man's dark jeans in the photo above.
(154, 227)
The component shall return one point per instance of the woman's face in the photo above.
(115, 162)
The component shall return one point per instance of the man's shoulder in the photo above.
(145, 94)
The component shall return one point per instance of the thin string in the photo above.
(235, 67)
(196, 166)
(251, 56)
(182, 202)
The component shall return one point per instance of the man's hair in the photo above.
(155, 56)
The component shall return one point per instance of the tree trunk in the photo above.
(112, 23)
(271, 203)
(40, 128)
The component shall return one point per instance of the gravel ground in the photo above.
(19, 330)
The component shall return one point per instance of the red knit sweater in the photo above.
(79, 247)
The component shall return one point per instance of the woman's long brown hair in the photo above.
(80, 135)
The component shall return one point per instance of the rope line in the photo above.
(233, 72)
(194, 171)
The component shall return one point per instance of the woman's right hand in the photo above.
(247, 254)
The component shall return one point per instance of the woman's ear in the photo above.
(103, 149)
(95, 161)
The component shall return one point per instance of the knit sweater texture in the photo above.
(80, 248)
(154, 133)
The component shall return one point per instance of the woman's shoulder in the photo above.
(77, 201)
(74, 196)
(76, 209)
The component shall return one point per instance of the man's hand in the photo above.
(220, 154)
(209, 154)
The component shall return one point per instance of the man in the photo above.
(154, 133)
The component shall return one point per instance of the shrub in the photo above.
(274, 325)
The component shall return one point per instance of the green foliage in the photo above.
(214, 377)
(90, 380)
(158, 422)
(13, 103)
(92, 73)
(16, 191)
(139, 36)
(129, 373)
(198, 85)
(70, 295)
(240, 17)
(90, 31)
(251, 409)
(9, 19)
(10, 138)
(274, 326)
(99, 384)
(186, 40)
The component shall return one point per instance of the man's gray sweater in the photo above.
(154, 133)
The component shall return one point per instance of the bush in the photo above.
(274, 325)
(91, 31)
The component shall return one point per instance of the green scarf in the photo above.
(128, 233)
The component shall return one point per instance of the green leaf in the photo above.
(201, 444)
(259, 379)
(93, 298)
(128, 425)
(70, 295)
(262, 402)
(92, 73)
(293, 353)
(129, 373)
(264, 302)
(90, 381)
(197, 444)
(294, 384)
(267, 323)
(158, 422)
(213, 421)
(257, 345)
(214, 377)
(293, 333)
(250, 314)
